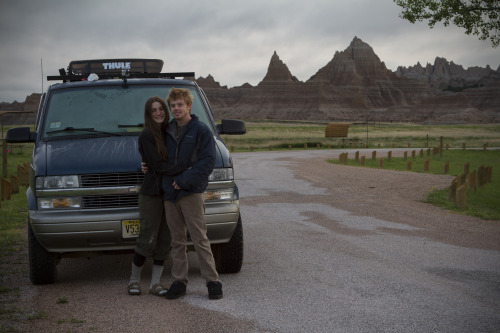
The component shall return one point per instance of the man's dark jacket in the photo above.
(195, 150)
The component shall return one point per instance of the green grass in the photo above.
(13, 214)
(281, 134)
(483, 203)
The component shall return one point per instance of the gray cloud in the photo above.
(231, 40)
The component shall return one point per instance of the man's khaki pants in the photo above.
(189, 212)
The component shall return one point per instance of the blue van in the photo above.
(85, 171)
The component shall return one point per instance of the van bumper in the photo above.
(101, 230)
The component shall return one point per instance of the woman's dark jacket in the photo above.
(151, 184)
(195, 150)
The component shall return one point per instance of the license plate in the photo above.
(130, 228)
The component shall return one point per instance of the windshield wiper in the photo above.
(89, 130)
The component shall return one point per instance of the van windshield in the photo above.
(105, 110)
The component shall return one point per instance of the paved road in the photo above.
(313, 263)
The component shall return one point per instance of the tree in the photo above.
(477, 17)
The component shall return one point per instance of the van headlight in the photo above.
(220, 174)
(221, 194)
(57, 182)
(51, 203)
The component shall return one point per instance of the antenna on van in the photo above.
(41, 68)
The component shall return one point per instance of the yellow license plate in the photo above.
(130, 228)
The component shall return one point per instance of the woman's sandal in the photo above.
(158, 290)
(134, 288)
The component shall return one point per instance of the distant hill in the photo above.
(356, 86)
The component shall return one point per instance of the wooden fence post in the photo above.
(14, 184)
(389, 155)
(5, 189)
(408, 165)
(446, 167)
(362, 160)
(356, 156)
(374, 155)
(426, 164)
(405, 156)
(453, 190)
(381, 163)
(460, 196)
(472, 180)
(489, 174)
(480, 176)
(466, 168)
(463, 178)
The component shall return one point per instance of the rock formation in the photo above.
(356, 86)
(20, 113)
(444, 75)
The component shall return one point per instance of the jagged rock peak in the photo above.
(209, 82)
(278, 72)
(445, 74)
(356, 63)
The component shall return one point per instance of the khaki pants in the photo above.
(189, 212)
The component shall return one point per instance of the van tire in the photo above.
(42, 263)
(229, 256)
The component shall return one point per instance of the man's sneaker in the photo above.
(214, 290)
(176, 290)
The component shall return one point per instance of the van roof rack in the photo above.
(123, 68)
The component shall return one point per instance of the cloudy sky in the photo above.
(232, 40)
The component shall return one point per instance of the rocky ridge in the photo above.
(356, 86)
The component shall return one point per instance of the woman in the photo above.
(154, 235)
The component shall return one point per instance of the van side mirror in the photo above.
(231, 126)
(20, 134)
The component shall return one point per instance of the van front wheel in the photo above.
(42, 263)
(229, 256)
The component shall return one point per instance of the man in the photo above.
(190, 143)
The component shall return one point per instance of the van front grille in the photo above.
(111, 180)
(110, 201)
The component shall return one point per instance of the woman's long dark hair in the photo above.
(158, 131)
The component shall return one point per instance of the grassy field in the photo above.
(279, 135)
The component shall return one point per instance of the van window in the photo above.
(105, 110)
